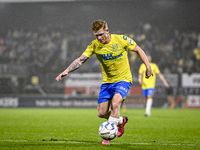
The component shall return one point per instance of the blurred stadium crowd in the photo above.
(50, 48)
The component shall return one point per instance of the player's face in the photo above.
(102, 35)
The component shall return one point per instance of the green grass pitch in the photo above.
(71, 129)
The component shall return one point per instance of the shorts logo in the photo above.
(122, 88)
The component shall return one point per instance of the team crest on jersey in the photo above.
(125, 38)
(115, 47)
(130, 41)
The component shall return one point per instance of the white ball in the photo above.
(108, 130)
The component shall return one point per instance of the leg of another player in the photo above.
(149, 102)
(172, 101)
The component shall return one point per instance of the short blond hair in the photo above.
(98, 24)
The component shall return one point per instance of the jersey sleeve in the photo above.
(89, 50)
(156, 69)
(140, 71)
(130, 43)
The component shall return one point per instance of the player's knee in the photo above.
(115, 105)
(101, 114)
(149, 96)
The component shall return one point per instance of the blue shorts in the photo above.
(108, 90)
(148, 92)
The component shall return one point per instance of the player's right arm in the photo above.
(73, 66)
(140, 79)
(143, 57)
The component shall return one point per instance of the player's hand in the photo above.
(149, 73)
(140, 81)
(167, 85)
(59, 77)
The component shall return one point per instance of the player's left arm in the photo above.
(143, 57)
(163, 79)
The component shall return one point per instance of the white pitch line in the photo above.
(166, 144)
(159, 144)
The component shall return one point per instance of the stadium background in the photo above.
(39, 39)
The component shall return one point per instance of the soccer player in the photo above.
(149, 85)
(112, 52)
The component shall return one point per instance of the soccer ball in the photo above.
(108, 130)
